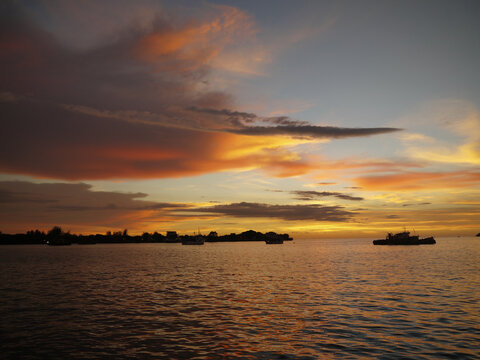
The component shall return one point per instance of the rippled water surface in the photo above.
(301, 300)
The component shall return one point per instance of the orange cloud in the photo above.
(406, 181)
(77, 145)
(373, 165)
(197, 43)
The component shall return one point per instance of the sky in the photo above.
(321, 119)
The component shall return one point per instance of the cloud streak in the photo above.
(284, 212)
(285, 126)
(313, 131)
(312, 195)
(458, 118)
(408, 181)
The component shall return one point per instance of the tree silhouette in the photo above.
(55, 232)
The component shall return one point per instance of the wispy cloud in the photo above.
(245, 123)
(312, 195)
(312, 131)
(408, 181)
(416, 204)
(200, 42)
(460, 121)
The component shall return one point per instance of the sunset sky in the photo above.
(315, 118)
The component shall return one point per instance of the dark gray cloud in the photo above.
(284, 121)
(283, 125)
(312, 131)
(25, 204)
(285, 212)
(240, 119)
(417, 204)
(237, 118)
(77, 197)
(12, 197)
(311, 195)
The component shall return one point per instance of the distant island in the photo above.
(56, 236)
(478, 234)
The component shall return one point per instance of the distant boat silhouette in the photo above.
(274, 241)
(58, 242)
(404, 238)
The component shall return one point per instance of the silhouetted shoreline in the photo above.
(56, 236)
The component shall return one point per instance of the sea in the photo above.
(305, 299)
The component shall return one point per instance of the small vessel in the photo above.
(427, 241)
(404, 238)
(58, 242)
(274, 241)
(193, 240)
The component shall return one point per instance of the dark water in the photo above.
(300, 300)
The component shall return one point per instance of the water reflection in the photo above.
(298, 301)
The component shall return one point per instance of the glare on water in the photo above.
(301, 300)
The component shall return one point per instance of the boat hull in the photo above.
(414, 241)
(428, 241)
(395, 242)
(272, 242)
(192, 243)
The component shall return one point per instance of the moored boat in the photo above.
(427, 241)
(274, 241)
(58, 242)
(404, 238)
